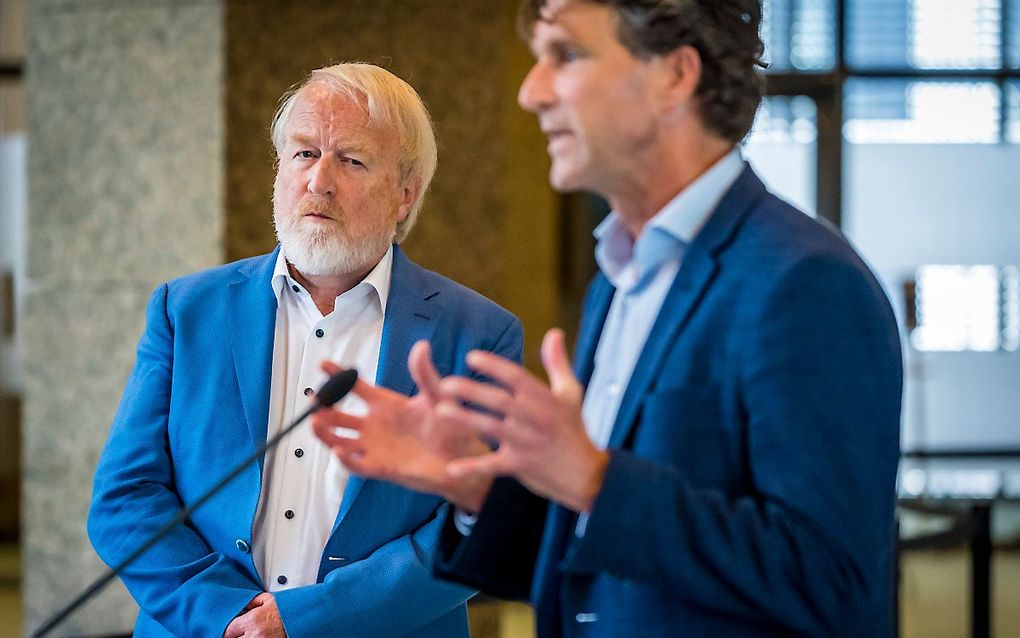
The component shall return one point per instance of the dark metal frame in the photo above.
(971, 526)
(827, 90)
(10, 70)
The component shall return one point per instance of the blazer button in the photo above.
(242, 546)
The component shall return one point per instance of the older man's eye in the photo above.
(354, 162)
(304, 154)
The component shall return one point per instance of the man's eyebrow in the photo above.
(308, 140)
(303, 140)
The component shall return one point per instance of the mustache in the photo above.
(321, 207)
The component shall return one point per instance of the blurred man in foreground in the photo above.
(720, 459)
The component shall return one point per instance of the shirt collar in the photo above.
(378, 279)
(671, 229)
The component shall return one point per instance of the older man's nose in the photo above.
(322, 180)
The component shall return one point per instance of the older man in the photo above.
(720, 461)
(295, 546)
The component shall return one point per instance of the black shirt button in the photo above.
(282, 580)
(295, 288)
(308, 392)
(289, 513)
(299, 452)
(319, 333)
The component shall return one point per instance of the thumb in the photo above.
(557, 366)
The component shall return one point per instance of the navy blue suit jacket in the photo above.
(197, 402)
(750, 490)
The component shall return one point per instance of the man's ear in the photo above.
(409, 195)
(680, 74)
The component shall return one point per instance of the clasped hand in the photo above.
(457, 434)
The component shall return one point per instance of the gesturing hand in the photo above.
(542, 439)
(402, 439)
(260, 619)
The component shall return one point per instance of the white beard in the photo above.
(316, 250)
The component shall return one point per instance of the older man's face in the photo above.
(338, 194)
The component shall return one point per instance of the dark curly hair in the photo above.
(725, 35)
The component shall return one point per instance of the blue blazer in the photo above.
(750, 490)
(197, 402)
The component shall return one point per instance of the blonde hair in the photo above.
(391, 103)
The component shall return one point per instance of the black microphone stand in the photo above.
(332, 391)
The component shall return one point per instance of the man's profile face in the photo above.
(338, 194)
(593, 98)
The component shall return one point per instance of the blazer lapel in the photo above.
(253, 329)
(593, 317)
(697, 269)
(410, 317)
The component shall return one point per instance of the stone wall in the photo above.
(125, 170)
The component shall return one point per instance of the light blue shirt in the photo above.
(642, 272)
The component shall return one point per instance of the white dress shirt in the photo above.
(642, 272)
(302, 482)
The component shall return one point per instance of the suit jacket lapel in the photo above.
(697, 269)
(410, 317)
(596, 307)
(252, 332)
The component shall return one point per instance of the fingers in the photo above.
(332, 418)
(325, 426)
(424, 373)
(484, 466)
(355, 461)
(503, 371)
(363, 389)
(480, 394)
(485, 424)
(236, 627)
(329, 367)
(557, 364)
(258, 601)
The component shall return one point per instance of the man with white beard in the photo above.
(296, 546)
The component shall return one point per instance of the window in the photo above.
(903, 118)
(962, 308)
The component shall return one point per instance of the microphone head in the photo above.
(336, 387)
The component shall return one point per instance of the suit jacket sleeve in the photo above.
(392, 592)
(181, 583)
(804, 545)
(499, 555)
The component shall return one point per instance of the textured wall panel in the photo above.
(453, 53)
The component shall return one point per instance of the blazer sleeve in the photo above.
(391, 593)
(498, 557)
(807, 543)
(181, 583)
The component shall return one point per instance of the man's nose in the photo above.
(536, 93)
(322, 180)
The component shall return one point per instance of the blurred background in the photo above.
(134, 149)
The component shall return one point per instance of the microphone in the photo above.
(334, 389)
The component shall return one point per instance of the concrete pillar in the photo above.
(126, 172)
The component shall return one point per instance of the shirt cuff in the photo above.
(464, 522)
